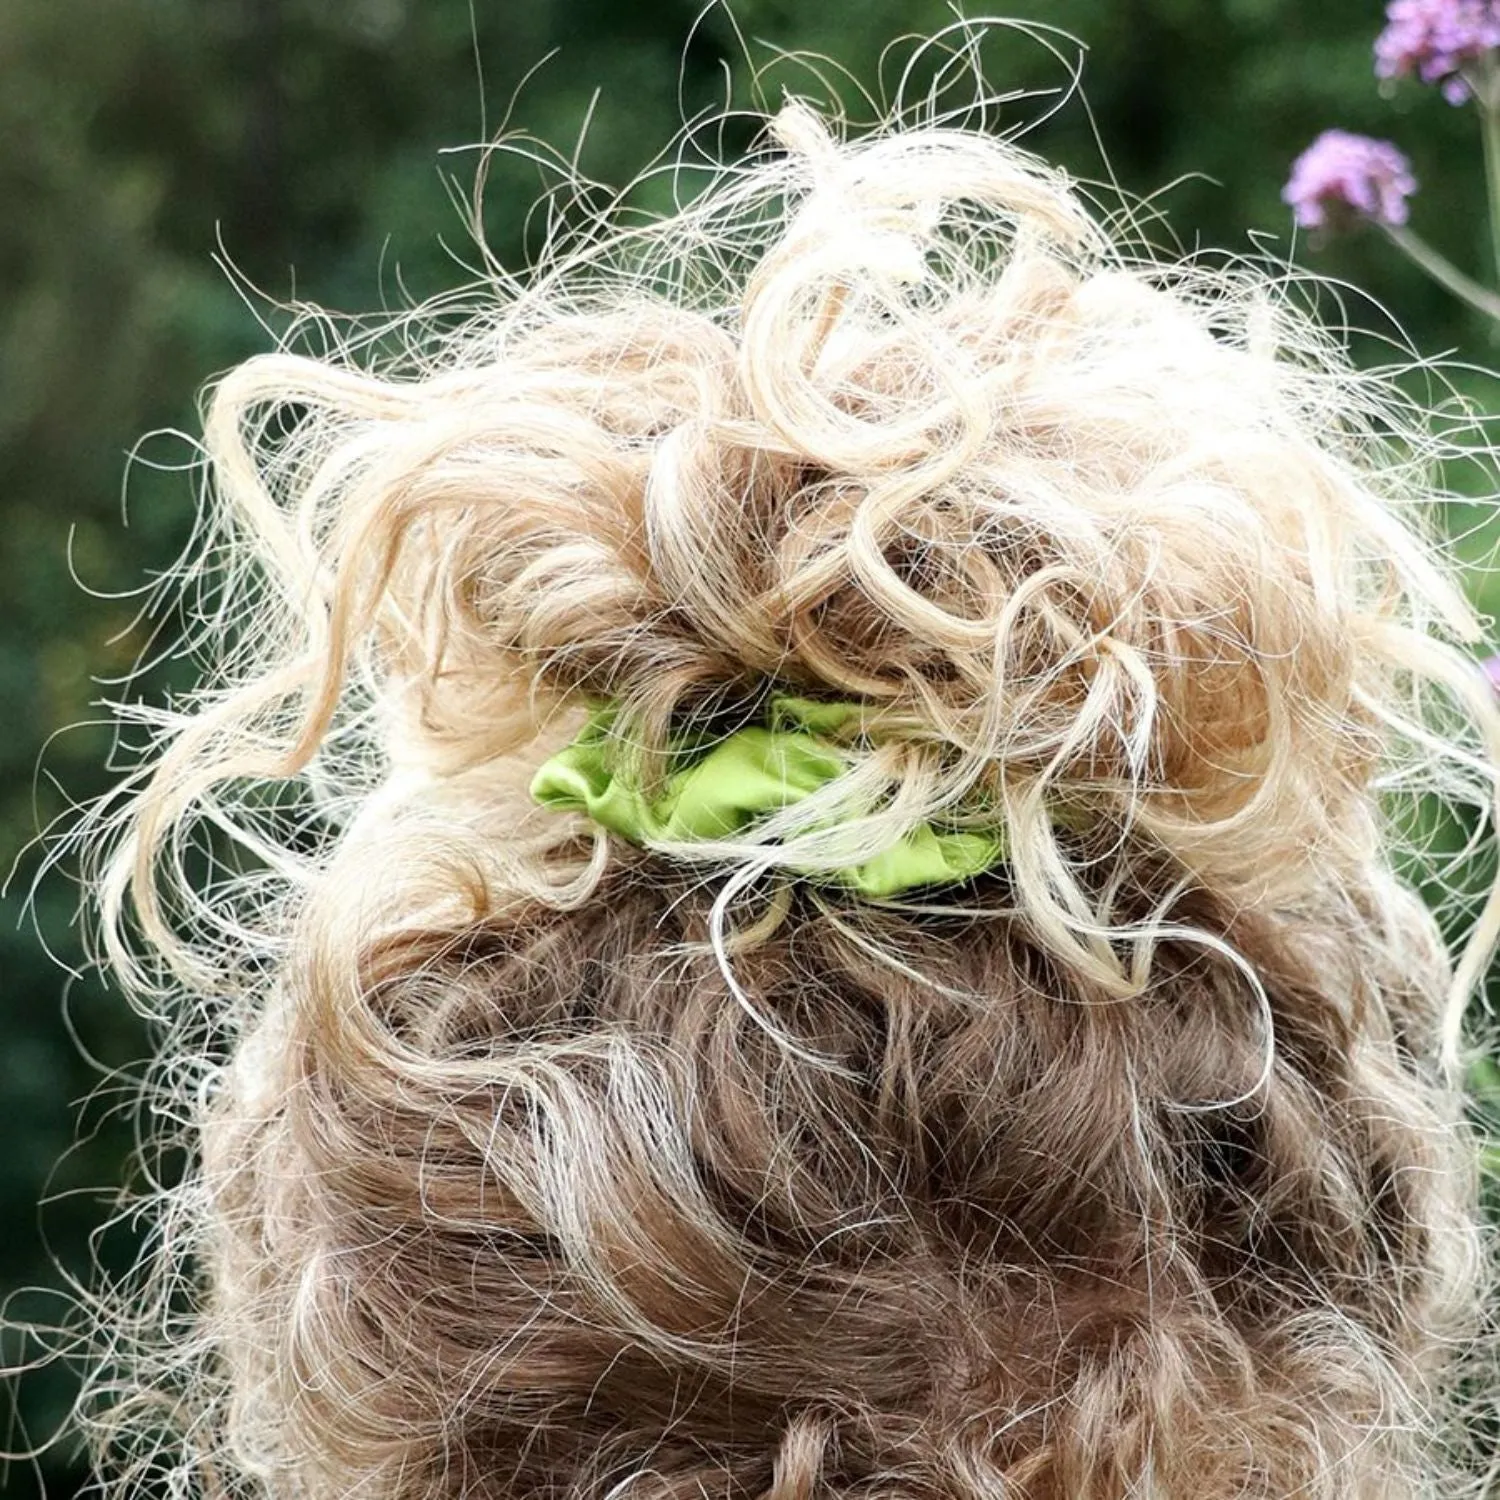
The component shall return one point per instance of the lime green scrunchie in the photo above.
(743, 777)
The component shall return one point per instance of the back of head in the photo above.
(540, 1161)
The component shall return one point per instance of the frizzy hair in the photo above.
(531, 1163)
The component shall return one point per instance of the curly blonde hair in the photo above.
(534, 1163)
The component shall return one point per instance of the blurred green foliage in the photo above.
(139, 139)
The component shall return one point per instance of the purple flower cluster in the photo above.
(1342, 175)
(1437, 40)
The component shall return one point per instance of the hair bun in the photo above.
(1114, 538)
(885, 420)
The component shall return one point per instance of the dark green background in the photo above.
(302, 137)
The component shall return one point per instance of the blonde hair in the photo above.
(532, 1162)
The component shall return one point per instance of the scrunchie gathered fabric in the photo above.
(722, 786)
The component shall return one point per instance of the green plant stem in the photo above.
(1485, 91)
(1444, 272)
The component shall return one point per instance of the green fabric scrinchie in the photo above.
(724, 786)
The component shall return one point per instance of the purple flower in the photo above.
(1342, 175)
(1438, 40)
(1491, 668)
